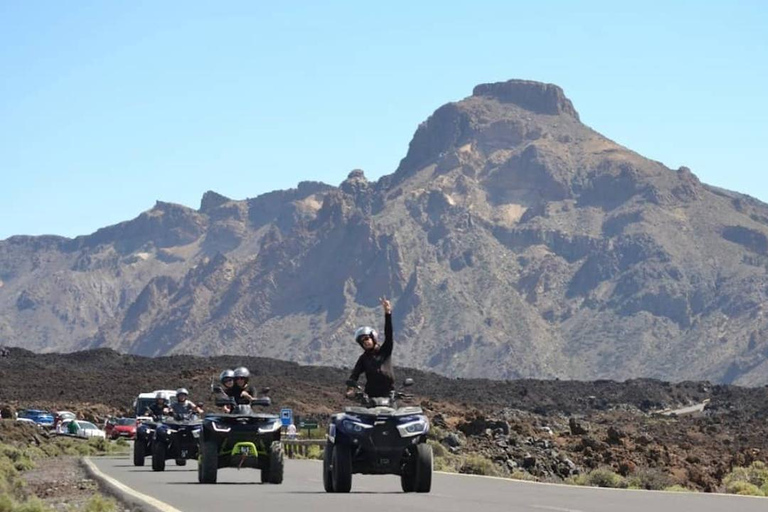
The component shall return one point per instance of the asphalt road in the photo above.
(302, 491)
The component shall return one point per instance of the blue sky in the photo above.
(106, 107)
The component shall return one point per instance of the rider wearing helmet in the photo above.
(227, 380)
(376, 360)
(184, 407)
(160, 407)
(242, 392)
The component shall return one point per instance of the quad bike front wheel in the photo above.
(209, 462)
(273, 474)
(341, 473)
(327, 465)
(138, 453)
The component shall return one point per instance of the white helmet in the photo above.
(364, 331)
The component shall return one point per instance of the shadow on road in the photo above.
(351, 492)
(217, 483)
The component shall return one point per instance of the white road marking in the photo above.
(556, 509)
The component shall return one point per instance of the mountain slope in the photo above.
(514, 240)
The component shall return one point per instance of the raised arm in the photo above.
(386, 347)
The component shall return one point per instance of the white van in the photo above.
(144, 400)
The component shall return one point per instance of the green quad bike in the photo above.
(241, 439)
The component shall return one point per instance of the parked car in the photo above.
(29, 422)
(121, 427)
(43, 418)
(85, 429)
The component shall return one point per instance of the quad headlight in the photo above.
(271, 427)
(414, 428)
(354, 426)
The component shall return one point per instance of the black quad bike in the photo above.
(142, 445)
(176, 437)
(378, 438)
(241, 438)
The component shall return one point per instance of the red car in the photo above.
(121, 427)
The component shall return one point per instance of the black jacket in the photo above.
(156, 410)
(235, 392)
(377, 365)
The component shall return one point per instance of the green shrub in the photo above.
(650, 479)
(99, 445)
(6, 502)
(478, 465)
(122, 443)
(744, 489)
(33, 504)
(605, 477)
(100, 503)
(678, 488)
(34, 453)
(580, 479)
(438, 450)
(436, 433)
(51, 450)
(756, 474)
(315, 452)
(23, 464)
(11, 452)
(523, 475)
(449, 463)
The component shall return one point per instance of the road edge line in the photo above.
(124, 493)
(594, 488)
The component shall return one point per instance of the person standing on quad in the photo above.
(376, 360)
(160, 407)
(242, 392)
(183, 407)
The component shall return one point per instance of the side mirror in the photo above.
(408, 382)
(216, 389)
(352, 384)
(263, 401)
(265, 391)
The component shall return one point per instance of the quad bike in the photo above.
(378, 438)
(142, 445)
(176, 437)
(241, 438)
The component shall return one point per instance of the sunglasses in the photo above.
(227, 380)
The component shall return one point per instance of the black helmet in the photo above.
(243, 372)
(226, 374)
(363, 332)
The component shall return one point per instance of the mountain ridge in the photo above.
(514, 240)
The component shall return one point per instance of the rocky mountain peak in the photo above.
(537, 97)
(212, 200)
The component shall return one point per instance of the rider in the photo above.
(242, 392)
(184, 407)
(160, 407)
(376, 360)
(227, 379)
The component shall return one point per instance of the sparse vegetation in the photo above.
(678, 488)
(600, 477)
(478, 465)
(749, 481)
(100, 503)
(18, 455)
(650, 479)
